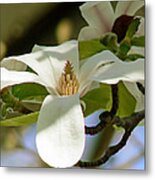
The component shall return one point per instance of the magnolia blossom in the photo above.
(101, 16)
(60, 136)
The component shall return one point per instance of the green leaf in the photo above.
(127, 102)
(133, 57)
(99, 98)
(20, 120)
(23, 91)
(89, 48)
(133, 27)
(138, 41)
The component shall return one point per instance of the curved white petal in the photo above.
(39, 62)
(60, 131)
(137, 50)
(10, 78)
(88, 33)
(125, 71)
(99, 15)
(133, 89)
(60, 54)
(128, 7)
(91, 67)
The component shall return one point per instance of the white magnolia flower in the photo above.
(100, 17)
(60, 136)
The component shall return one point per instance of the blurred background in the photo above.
(22, 26)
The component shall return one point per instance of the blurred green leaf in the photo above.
(127, 102)
(99, 98)
(138, 41)
(20, 120)
(23, 91)
(89, 48)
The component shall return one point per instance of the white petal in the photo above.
(133, 89)
(128, 7)
(88, 33)
(125, 71)
(60, 54)
(92, 66)
(39, 62)
(60, 131)
(137, 50)
(10, 78)
(99, 15)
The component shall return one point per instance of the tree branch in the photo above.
(106, 119)
(129, 124)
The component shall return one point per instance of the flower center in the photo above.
(68, 83)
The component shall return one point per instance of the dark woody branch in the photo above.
(129, 124)
(114, 89)
(106, 121)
